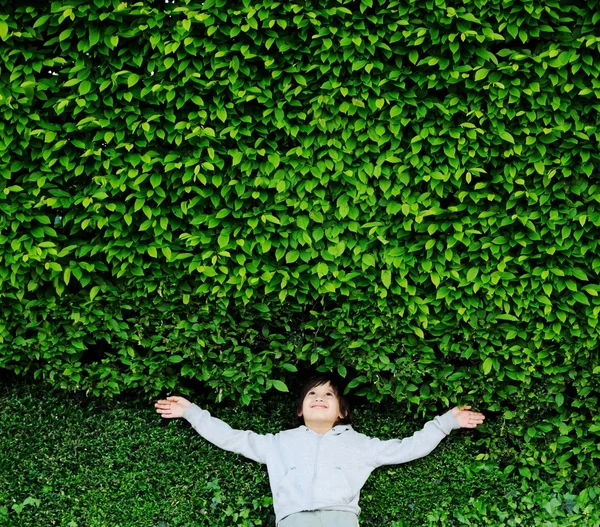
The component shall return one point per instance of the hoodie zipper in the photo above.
(312, 485)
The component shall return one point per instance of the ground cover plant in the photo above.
(225, 194)
(74, 461)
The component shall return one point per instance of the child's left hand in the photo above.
(466, 418)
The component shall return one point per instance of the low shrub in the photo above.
(68, 460)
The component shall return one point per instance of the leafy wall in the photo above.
(227, 192)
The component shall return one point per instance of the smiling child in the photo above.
(316, 471)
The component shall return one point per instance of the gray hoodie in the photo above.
(309, 471)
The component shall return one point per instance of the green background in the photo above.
(213, 198)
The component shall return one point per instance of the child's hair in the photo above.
(338, 390)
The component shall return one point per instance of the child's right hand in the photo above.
(171, 407)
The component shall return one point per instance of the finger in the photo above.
(174, 398)
(164, 408)
(475, 422)
(465, 408)
(473, 415)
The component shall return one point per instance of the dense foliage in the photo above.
(229, 192)
(72, 461)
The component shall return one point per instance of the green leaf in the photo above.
(344, 210)
(544, 300)
(65, 34)
(223, 240)
(540, 167)
(237, 157)
(507, 137)
(506, 316)
(155, 180)
(209, 271)
(132, 80)
(271, 218)
(302, 222)
(85, 87)
(368, 260)
(386, 278)
(175, 359)
(316, 216)
(279, 385)
(292, 256)
(395, 111)
(94, 37)
(481, 74)
(524, 471)
(472, 274)
(40, 21)
(322, 269)
(300, 80)
(487, 365)
(581, 298)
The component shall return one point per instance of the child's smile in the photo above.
(321, 408)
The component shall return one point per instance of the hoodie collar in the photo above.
(335, 431)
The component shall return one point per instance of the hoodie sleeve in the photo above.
(249, 444)
(418, 445)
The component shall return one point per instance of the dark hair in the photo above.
(337, 387)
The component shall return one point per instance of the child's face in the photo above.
(321, 405)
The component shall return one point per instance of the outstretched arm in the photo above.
(420, 444)
(251, 445)
(424, 441)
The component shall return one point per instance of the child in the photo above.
(316, 471)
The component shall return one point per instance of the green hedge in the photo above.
(227, 193)
(71, 461)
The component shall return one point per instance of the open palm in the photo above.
(172, 407)
(466, 418)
